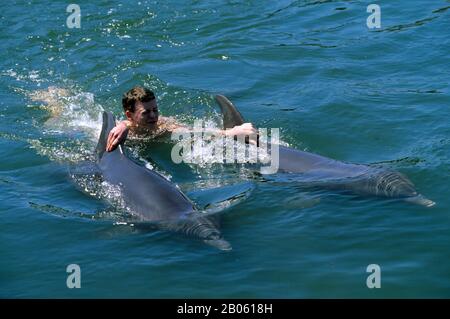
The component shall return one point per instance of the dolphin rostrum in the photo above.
(332, 174)
(151, 198)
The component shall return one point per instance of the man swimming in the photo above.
(143, 119)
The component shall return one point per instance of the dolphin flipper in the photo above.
(218, 199)
(62, 212)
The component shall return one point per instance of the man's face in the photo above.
(145, 114)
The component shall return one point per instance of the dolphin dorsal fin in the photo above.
(108, 123)
(231, 116)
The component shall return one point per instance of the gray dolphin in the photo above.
(332, 174)
(150, 197)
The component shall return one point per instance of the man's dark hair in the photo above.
(138, 93)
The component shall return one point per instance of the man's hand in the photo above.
(245, 129)
(117, 136)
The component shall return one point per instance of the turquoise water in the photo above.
(311, 68)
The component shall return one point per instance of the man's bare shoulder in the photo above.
(166, 125)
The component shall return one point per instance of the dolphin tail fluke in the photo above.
(108, 123)
(420, 200)
(231, 116)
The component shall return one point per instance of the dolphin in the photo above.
(328, 173)
(151, 198)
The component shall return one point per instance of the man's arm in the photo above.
(245, 129)
(119, 133)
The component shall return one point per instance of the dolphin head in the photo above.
(219, 243)
(212, 236)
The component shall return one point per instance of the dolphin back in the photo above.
(231, 116)
(108, 123)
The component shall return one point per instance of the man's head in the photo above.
(140, 107)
